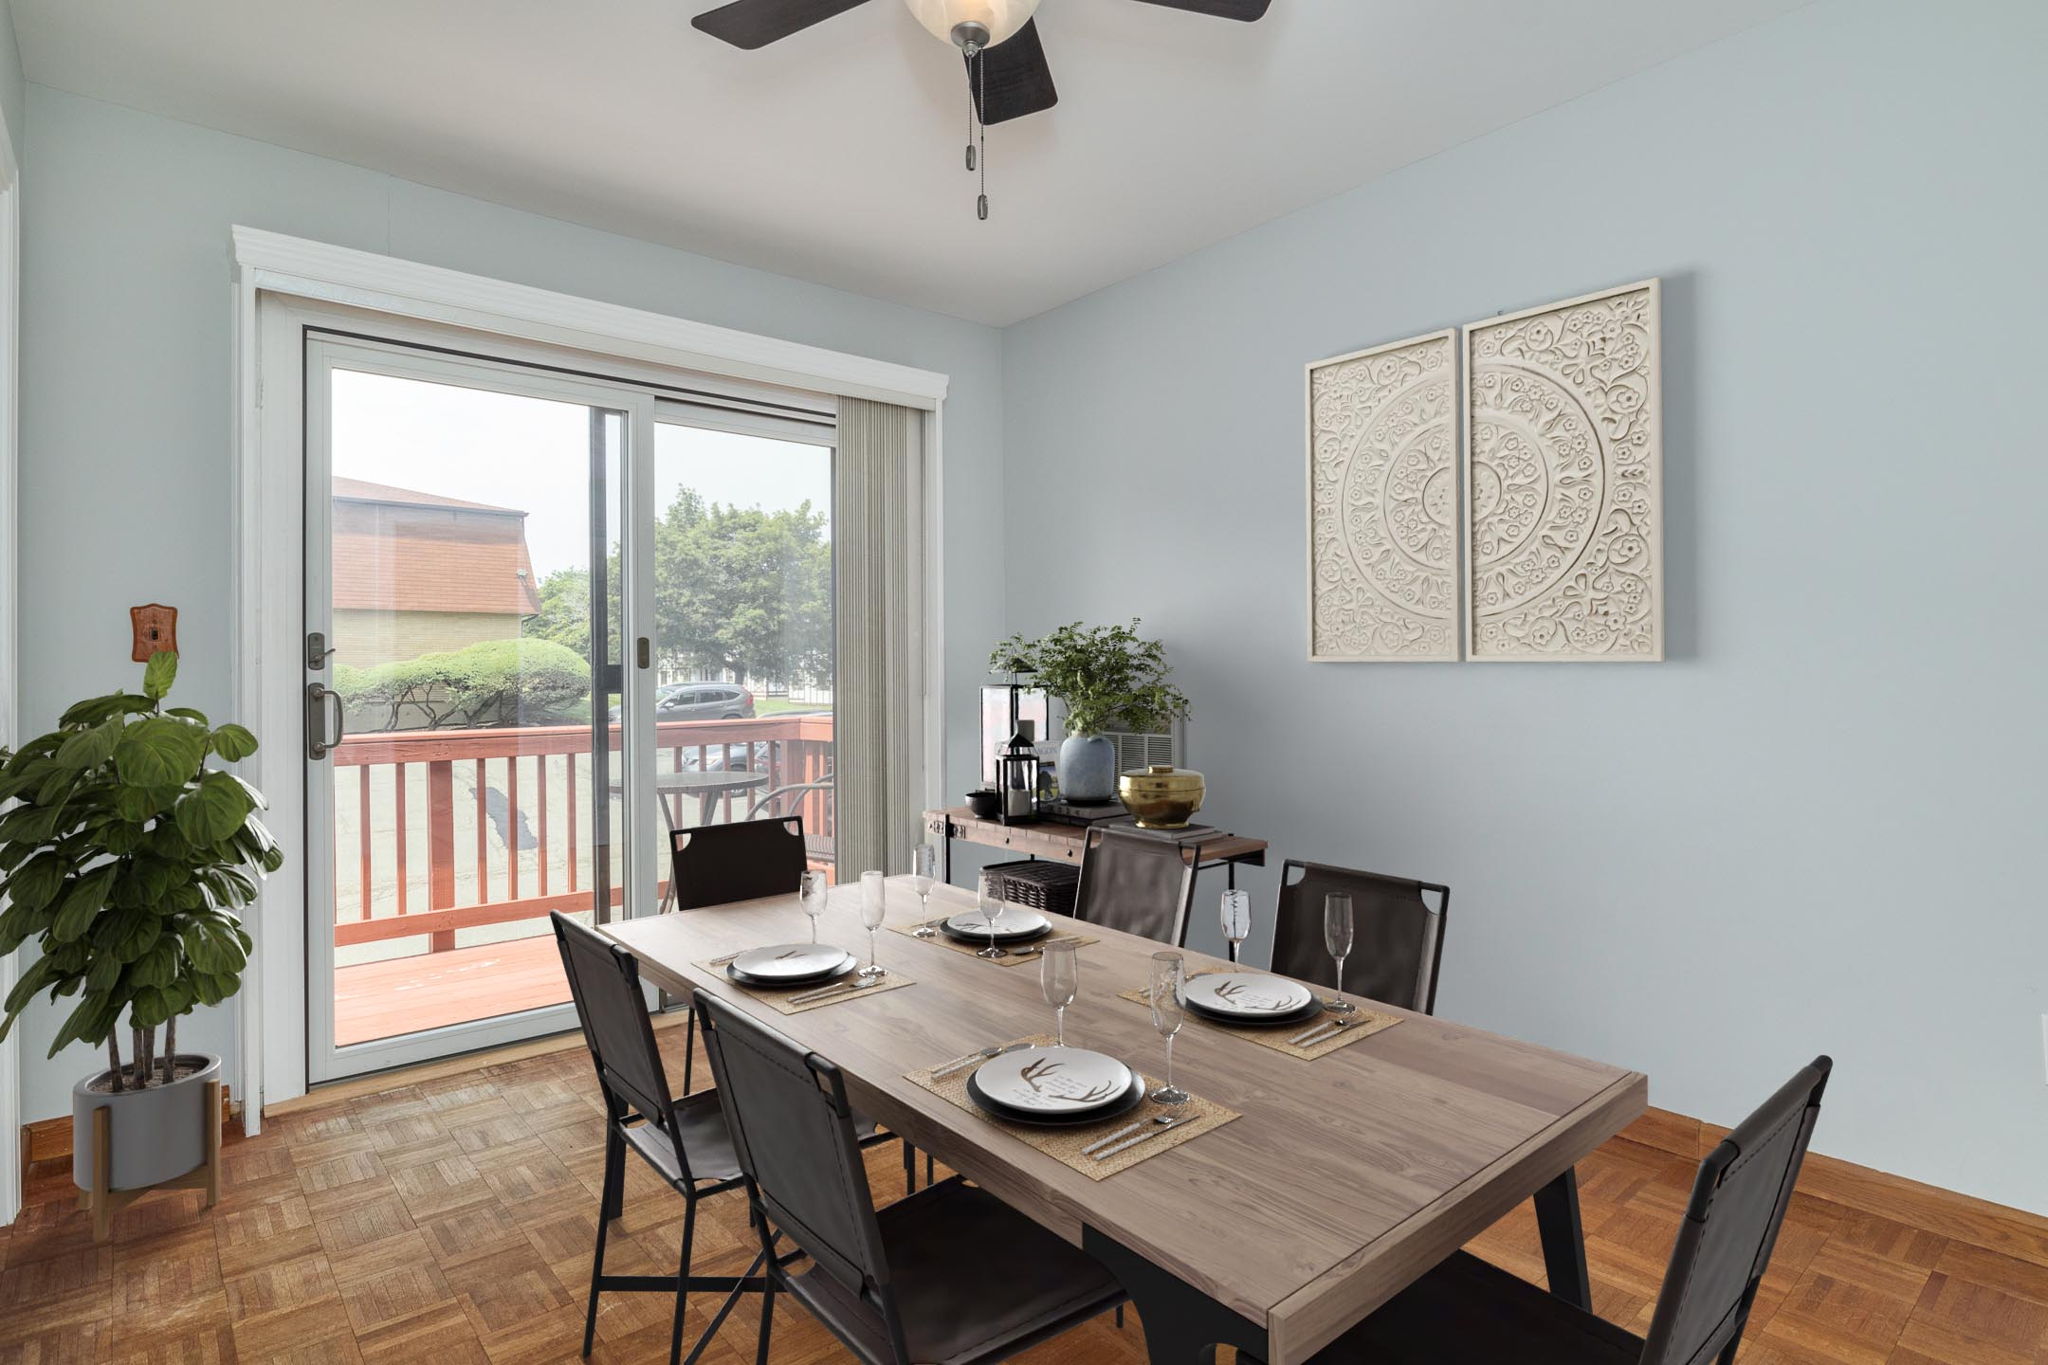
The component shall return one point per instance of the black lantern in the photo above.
(1017, 777)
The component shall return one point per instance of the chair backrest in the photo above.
(1137, 883)
(792, 1130)
(743, 861)
(1397, 935)
(604, 983)
(1731, 1224)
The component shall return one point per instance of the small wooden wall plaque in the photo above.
(156, 627)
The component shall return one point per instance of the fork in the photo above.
(1321, 1033)
(971, 1058)
(858, 984)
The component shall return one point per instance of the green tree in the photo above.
(738, 590)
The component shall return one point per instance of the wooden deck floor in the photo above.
(451, 1219)
(406, 994)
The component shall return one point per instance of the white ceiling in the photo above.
(835, 155)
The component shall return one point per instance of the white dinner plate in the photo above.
(1014, 922)
(790, 963)
(1053, 1080)
(1246, 995)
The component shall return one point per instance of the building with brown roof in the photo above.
(417, 573)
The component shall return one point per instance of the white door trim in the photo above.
(267, 489)
(386, 284)
(10, 350)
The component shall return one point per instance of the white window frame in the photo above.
(517, 322)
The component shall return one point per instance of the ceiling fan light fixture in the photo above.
(982, 22)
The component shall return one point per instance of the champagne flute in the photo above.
(1169, 974)
(1237, 919)
(1059, 981)
(814, 888)
(874, 906)
(923, 860)
(988, 899)
(1337, 938)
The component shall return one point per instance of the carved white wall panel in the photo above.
(1383, 502)
(1563, 451)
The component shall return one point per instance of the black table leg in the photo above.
(1564, 1240)
(1183, 1326)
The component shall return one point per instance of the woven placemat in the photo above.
(1026, 952)
(1364, 1024)
(780, 999)
(1064, 1144)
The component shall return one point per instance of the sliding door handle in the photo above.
(321, 739)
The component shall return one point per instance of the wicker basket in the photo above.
(1043, 886)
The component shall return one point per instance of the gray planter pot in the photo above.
(1087, 769)
(159, 1133)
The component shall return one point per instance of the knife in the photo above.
(1122, 1132)
(806, 997)
(1129, 1143)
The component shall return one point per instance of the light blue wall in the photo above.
(1819, 827)
(125, 449)
(13, 92)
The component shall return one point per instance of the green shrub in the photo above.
(496, 682)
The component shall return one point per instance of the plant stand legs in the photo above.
(105, 1201)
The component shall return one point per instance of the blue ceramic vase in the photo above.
(1087, 769)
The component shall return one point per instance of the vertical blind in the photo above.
(878, 564)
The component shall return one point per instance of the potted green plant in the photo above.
(125, 860)
(1108, 678)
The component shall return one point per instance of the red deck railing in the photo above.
(429, 792)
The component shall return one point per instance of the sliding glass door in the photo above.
(468, 688)
(550, 620)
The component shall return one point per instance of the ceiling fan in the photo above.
(1007, 75)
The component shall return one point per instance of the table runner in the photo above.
(1368, 1022)
(1064, 1144)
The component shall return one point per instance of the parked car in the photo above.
(700, 701)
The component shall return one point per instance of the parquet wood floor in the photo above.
(451, 1220)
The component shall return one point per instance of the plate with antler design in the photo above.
(788, 964)
(1249, 998)
(1059, 1085)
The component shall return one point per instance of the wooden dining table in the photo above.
(1346, 1178)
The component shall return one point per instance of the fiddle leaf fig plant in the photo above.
(1108, 677)
(125, 859)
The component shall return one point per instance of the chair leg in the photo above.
(675, 1340)
(767, 1319)
(607, 1201)
(909, 1169)
(689, 1044)
(1119, 1316)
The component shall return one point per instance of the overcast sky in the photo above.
(534, 454)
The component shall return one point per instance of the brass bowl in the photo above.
(1161, 796)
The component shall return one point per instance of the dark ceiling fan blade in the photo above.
(757, 23)
(1246, 10)
(1016, 80)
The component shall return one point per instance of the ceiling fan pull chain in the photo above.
(981, 117)
(968, 58)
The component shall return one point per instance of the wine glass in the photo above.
(1059, 981)
(814, 888)
(1169, 974)
(874, 906)
(989, 900)
(1237, 919)
(923, 860)
(1337, 938)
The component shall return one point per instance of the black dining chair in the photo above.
(742, 861)
(1137, 883)
(684, 1140)
(1467, 1312)
(947, 1276)
(1397, 933)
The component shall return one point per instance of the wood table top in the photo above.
(1345, 1179)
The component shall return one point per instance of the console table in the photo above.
(1062, 843)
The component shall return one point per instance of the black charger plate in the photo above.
(1116, 1108)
